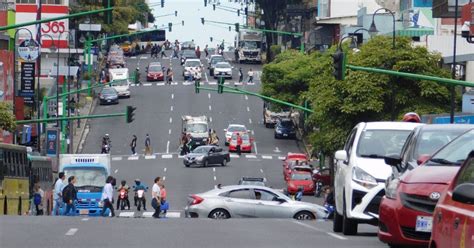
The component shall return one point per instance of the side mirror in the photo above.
(464, 193)
(393, 160)
(341, 155)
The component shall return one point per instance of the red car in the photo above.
(154, 72)
(246, 143)
(290, 160)
(406, 210)
(453, 219)
(299, 179)
(323, 175)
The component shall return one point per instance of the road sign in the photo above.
(29, 50)
(27, 79)
(52, 142)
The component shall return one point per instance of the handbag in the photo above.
(164, 205)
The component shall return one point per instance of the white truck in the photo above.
(197, 127)
(91, 171)
(248, 45)
(120, 81)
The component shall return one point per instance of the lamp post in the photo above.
(52, 48)
(14, 70)
(373, 29)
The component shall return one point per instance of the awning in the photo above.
(415, 32)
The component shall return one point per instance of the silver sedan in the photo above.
(250, 201)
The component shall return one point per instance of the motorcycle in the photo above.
(123, 196)
(140, 199)
(106, 149)
(318, 188)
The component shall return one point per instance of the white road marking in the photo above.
(210, 119)
(261, 170)
(246, 97)
(180, 156)
(165, 169)
(248, 109)
(255, 146)
(171, 119)
(174, 83)
(169, 131)
(210, 108)
(147, 214)
(234, 156)
(173, 215)
(147, 84)
(116, 158)
(116, 171)
(276, 149)
(253, 132)
(250, 121)
(168, 147)
(215, 178)
(267, 157)
(172, 96)
(127, 214)
(214, 169)
(281, 158)
(167, 156)
(160, 84)
(71, 232)
(319, 230)
(336, 236)
(250, 156)
(164, 178)
(226, 83)
(171, 109)
(150, 157)
(84, 219)
(143, 57)
(212, 83)
(209, 95)
(133, 158)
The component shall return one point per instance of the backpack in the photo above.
(67, 193)
(37, 199)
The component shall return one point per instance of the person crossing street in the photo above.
(147, 145)
(156, 198)
(239, 144)
(250, 75)
(133, 145)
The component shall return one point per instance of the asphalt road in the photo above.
(148, 232)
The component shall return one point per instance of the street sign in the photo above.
(29, 50)
(26, 134)
(90, 27)
(52, 142)
(27, 88)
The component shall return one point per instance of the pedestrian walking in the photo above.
(72, 106)
(103, 76)
(107, 196)
(197, 76)
(133, 145)
(164, 203)
(206, 51)
(169, 76)
(70, 196)
(198, 52)
(241, 75)
(147, 145)
(163, 54)
(156, 198)
(250, 74)
(239, 144)
(183, 141)
(38, 197)
(58, 194)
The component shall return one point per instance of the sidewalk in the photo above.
(87, 105)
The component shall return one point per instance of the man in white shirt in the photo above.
(250, 74)
(58, 195)
(156, 198)
(107, 196)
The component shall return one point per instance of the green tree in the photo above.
(7, 119)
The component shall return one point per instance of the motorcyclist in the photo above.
(105, 142)
(139, 186)
(137, 76)
(123, 186)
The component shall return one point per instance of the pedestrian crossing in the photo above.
(188, 83)
(177, 156)
(132, 214)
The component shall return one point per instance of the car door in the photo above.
(240, 203)
(267, 207)
(341, 168)
(213, 156)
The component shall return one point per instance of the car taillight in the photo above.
(196, 199)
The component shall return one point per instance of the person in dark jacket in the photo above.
(133, 145)
(70, 196)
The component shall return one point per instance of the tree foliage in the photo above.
(7, 119)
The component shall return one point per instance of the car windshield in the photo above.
(250, 44)
(455, 152)
(245, 137)
(301, 176)
(259, 183)
(87, 177)
(223, 65)
(217, 60)
(188, 53)
(286, 124)
(430, 141)
(120, 82)
(379, 143)
(196, 128)
(192, 63)
(108, 91)
(236, 129)
(155, 68)
(201, 150)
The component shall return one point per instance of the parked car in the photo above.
(213, 61)
(410, 200)
(231, 129)
(207, 155)
(108, 95)
(246, 143)
(296, 166)
(223, 69)
(360, 172)
(454, 214)
(154, 72)
(290, 160)
(259, 181)
(420, 145)
(285, 128)
(250, 201)
(300, 179)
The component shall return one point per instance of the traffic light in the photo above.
(220, 85)
(205, 3)
(162, 3)
(196, 86)
(175, 13)
(214, 7)
(238, 12)
(230, 28)
(210, 38)
(129, 114)
(339, 65)
(170, 25)
(182, 23)
(108, 17)
(202, 20)
(246, 11)
(237, 27)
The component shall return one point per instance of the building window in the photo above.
(26, 1)
(57, 2)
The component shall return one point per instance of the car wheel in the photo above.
(186, 164)
(205, 163)
(276, 136)
(224, 162)
(219, 214)
(337, 222)
(267, 125)
(349, 227)
(304, 215)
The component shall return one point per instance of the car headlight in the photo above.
(391, 188)
(278, 130)
(200, 158)
(363, 178)
(204, 139)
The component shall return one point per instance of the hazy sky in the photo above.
(191, 12)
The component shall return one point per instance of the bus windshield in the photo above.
(87, 177)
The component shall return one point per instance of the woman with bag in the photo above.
(107, 196)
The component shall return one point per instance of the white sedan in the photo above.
(223, 69)
(233, 128)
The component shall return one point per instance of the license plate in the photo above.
(84, 211)
(155, 77)
(424, 224)
(108, 100)
(285, 134)
(198, 143)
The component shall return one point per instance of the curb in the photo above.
(306, 147)
(82, 136)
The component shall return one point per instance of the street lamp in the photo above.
(373, 29)
(14, 67)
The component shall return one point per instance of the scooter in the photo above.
(140, 199)
(123, 196)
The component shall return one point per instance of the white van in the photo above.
(119, 79)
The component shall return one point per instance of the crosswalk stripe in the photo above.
(150, 157)
(147, 214)
(167, 156)
(147, 84)
(267, 157)
(133, 158)
(160, 84)
(127, 214)
(212, 83)
(116, 158)
(173, 215)
(281, 158)
(250, 156)
(234, 156)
